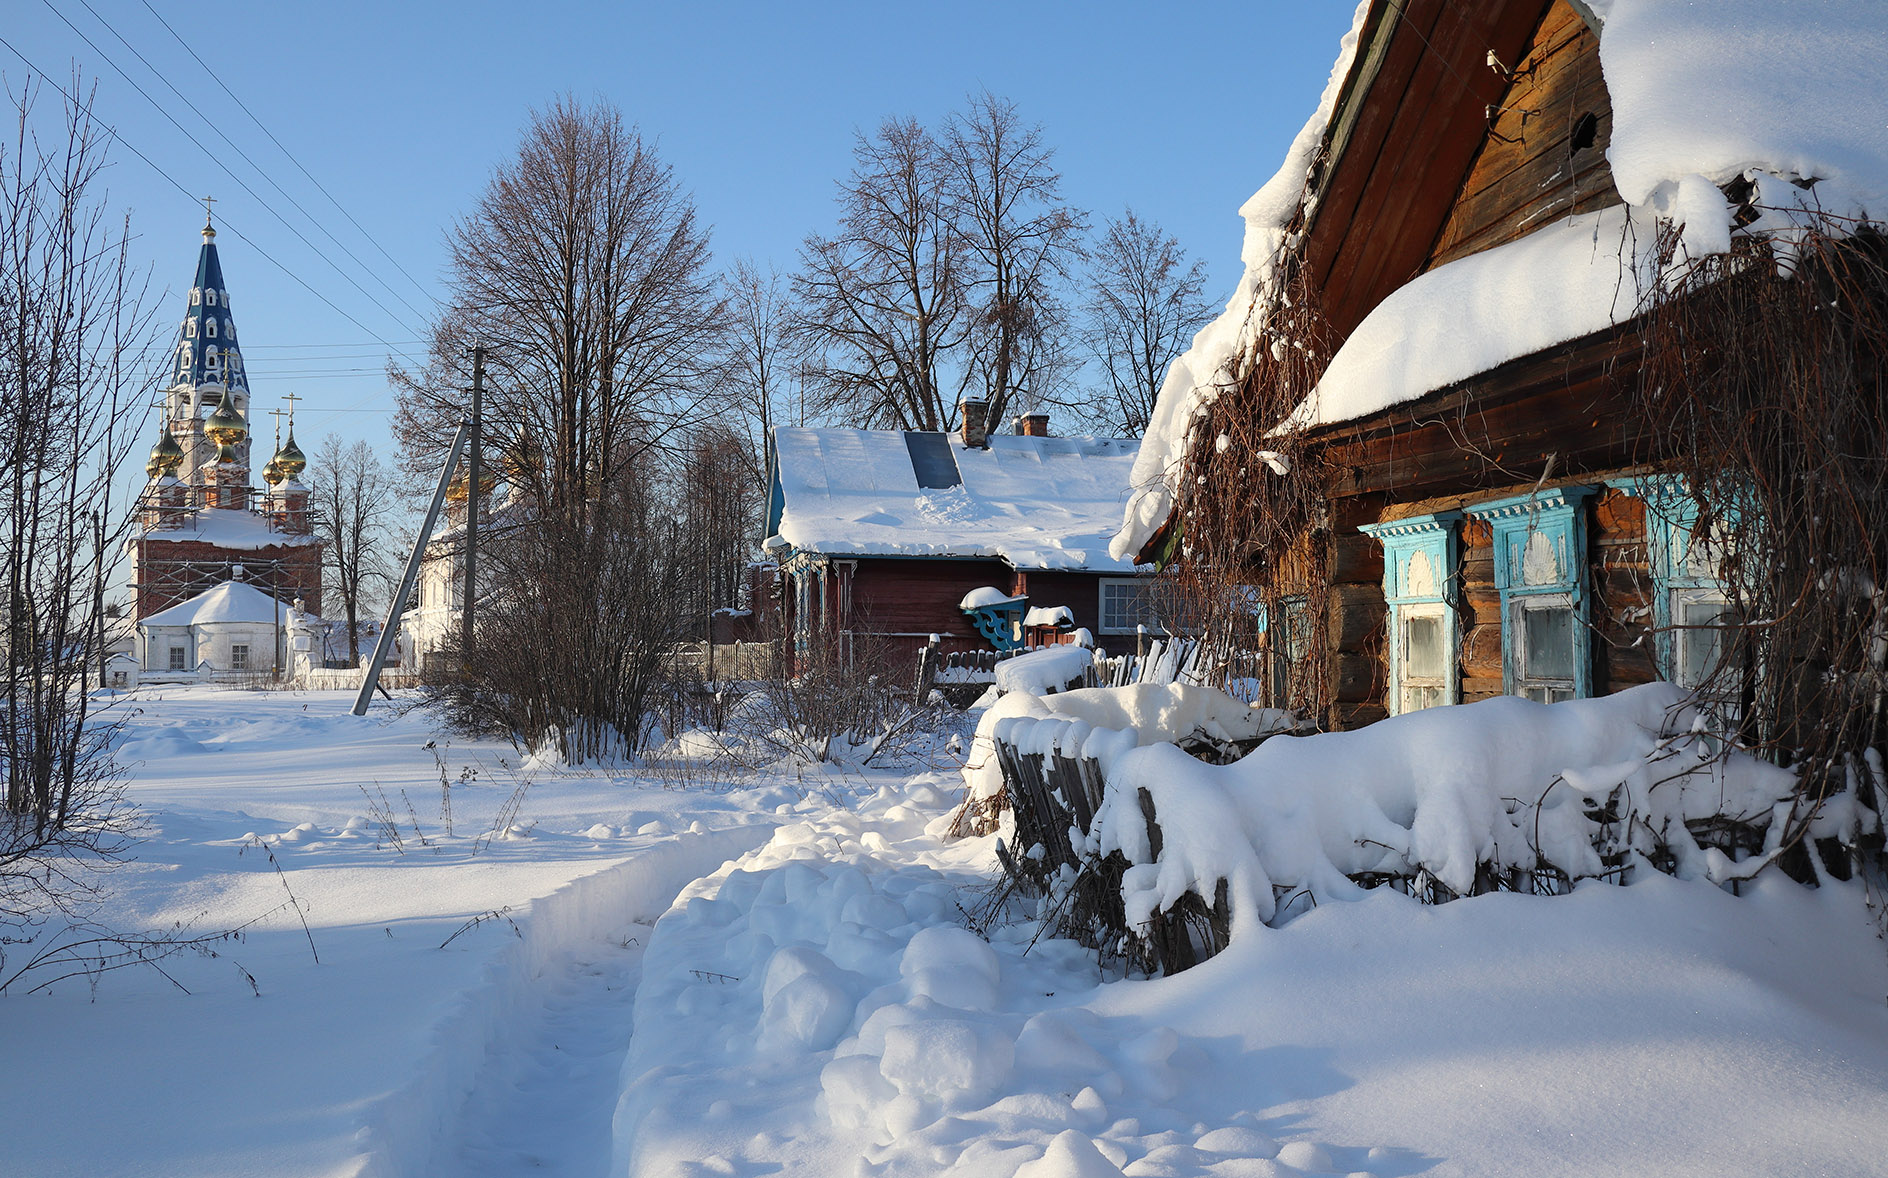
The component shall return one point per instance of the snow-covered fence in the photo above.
(1158, 854)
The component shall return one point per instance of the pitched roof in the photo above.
(1788, 96)
(232, 601)
(1036, 502)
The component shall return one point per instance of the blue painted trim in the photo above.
(1557, 517)
(1438, 538)
(1671, 523)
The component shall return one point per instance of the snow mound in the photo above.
(1504, 784)
(1045, 670)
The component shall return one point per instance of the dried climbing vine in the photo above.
(1250, 569)
(1765, 377)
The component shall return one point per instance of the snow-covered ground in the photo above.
(639, 1004)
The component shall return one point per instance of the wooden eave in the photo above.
(1497, 427)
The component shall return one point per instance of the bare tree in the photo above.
(354, 505)
(1020, 238)
(762, 360)
(585, 270)
(76, 335)
(883, 302)
(1145, 305)
(718, 524)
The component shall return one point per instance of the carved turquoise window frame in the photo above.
(1680, 565)
(1422, 575)
(1540, 555)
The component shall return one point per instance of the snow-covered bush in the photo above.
(1140, 713)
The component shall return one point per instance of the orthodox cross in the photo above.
(277, 414)
(207, 202)
(291, 398)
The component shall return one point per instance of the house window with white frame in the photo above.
(239, 656)
(177, 656)
(1540, 571)
(1127, 605)
(1421, 576)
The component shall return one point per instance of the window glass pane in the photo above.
(1422, 647)
(1700, 643)
(1547, 641)
(1417, 698)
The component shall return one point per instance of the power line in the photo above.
(285, 151)
(286, 195)
(171, 119)
(227, 224)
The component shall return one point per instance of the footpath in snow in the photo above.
(827, 991)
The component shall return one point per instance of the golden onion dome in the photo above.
(456, 491)
(272, 473)
(289, 459)
(226, 428)
(166, 456)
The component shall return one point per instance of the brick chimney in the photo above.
(1033, 425)
(976, 425)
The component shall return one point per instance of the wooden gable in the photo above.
(1417, 173)
(1544, 154)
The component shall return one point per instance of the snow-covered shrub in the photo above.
(1149, 712)
(840, 707)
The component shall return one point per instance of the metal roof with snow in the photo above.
(1036, 502)
(232, 601)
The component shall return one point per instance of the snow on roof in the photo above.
(232, 601)
(1036, 502)
(1472, 315)
(1721, 90)
(1702, 94)
(227, 528)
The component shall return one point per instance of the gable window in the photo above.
(1540, 571)
(176, 658)
(1126, 605)
(196, 296)
(209, 297)
(1421, 559)
(209, 328)
(239, 656)
(190, 329)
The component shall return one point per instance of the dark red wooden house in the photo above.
(883, 536)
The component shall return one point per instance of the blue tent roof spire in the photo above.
(206, 353)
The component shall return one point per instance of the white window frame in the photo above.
(1408, 683)
(1541, 688)
(1147, 616)
(209, 327)
(239, 656)
(178, 659)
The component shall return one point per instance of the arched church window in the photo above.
(190, 329)
(209, 297)
(209, 327)
(196, 296)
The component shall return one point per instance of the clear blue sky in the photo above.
(401, 110)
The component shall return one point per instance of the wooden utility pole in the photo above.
(472, 507)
